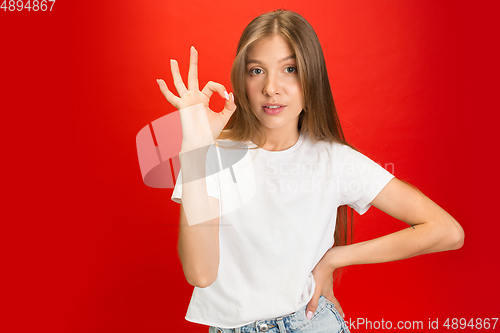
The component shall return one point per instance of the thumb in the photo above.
(312, 306)
(229, 108)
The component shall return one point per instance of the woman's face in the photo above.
(272, 85)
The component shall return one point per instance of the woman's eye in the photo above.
(291, 70)
(255, 71)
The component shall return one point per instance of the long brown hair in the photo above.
(319, 117)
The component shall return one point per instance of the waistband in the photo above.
(289, 322)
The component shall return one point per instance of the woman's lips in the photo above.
(274, 110)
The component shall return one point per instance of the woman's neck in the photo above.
(280, 141)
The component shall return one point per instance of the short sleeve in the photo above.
(361, 179)
(211, 178)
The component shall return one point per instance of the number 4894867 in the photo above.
(30, 5)
(478, 323)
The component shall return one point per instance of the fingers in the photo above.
(212, 87)
(176, 74)
(193, 70)
(312, 305)
(229, 108)
(167, 93)
(192, 74)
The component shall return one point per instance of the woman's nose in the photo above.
(272, 86)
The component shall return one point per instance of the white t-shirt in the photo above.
(278, 212)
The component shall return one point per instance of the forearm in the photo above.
(198, 239)
(420, 239)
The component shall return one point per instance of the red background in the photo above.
(87, 247)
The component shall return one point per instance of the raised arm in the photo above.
(199, 222)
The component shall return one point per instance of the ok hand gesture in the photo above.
(200, 125)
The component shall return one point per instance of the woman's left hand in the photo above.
(323, 277)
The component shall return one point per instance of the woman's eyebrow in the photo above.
(253, 61)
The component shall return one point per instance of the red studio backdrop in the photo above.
(88, 247)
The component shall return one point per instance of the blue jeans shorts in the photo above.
(326, 319)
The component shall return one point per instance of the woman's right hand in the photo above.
(200, 125)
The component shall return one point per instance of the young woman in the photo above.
(261, 209)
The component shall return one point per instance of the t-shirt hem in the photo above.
(214, 325)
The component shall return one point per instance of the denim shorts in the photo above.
(326, 319)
